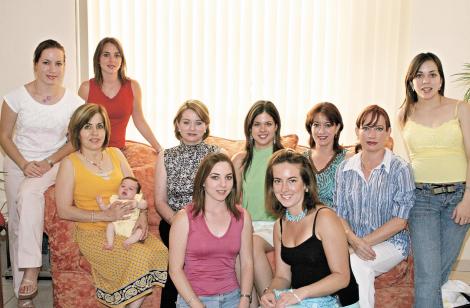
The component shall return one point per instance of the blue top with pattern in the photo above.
(326, 177)
(367, 204)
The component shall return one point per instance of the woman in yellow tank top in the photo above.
(122, 276)
(436, 130)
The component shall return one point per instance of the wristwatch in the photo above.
(50, 162)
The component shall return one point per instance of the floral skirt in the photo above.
(122, 276)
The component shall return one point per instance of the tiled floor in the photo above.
(42, 300)
(44, 297)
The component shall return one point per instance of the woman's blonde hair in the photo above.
(199, 108)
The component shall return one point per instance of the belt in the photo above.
(437, 189)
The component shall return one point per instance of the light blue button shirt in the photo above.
(368, 204)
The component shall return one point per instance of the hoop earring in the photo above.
(251, 139)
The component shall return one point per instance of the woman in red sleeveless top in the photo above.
(120, 95)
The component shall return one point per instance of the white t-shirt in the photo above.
(40, 130)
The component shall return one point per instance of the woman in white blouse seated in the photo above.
(374, 195)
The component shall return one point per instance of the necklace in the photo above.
(295, 218)
(45, 99)
(97, 165)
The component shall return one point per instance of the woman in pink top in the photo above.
(207, 236)
(120, 95)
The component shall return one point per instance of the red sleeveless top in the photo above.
(119, 110)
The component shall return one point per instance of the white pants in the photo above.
(387, 257)
(25, 199)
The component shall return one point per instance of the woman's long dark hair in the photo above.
(410, 94)
(331, 112)
(258, 108)
(96, 60)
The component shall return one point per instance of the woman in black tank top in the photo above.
(312, 258)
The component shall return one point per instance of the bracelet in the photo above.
(92, 216)
(190, 300)
(50, 162)
(296, 297)
(246, 295)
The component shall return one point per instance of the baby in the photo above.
(129, 193)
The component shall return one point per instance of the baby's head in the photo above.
(129, 187)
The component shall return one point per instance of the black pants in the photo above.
(169, 292)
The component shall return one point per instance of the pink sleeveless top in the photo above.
(209, 263)
(119, 110)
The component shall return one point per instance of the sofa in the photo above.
(71, 273)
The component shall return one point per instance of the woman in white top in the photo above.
(33, 127)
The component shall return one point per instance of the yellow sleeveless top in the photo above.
(88, 185)
(437, 154)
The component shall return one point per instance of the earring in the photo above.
(251, 139)
(274, 141)
(306, 189)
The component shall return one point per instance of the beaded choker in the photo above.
(295, 218)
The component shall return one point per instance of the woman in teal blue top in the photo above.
(324, 125)
(262, 131)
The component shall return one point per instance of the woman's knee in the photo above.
(260, 246)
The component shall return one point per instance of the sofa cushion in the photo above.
(235, 146)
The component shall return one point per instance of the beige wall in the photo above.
(433, 25)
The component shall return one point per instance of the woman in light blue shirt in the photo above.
(374, 194)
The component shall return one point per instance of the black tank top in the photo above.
(308, 264)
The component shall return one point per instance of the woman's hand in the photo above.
(32, 169)
(268, 300)
(362, 249)
(461, 214)
(198, 304)
(44, 166)
(142, 224)
(286, 299)
(118, 211)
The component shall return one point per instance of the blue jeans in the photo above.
(226, 300)
(436, 241)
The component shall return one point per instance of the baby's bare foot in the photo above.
(108, 246)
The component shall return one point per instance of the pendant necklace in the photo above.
(295, 218)
(45, 99)
(101, 172)
(97, 165)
